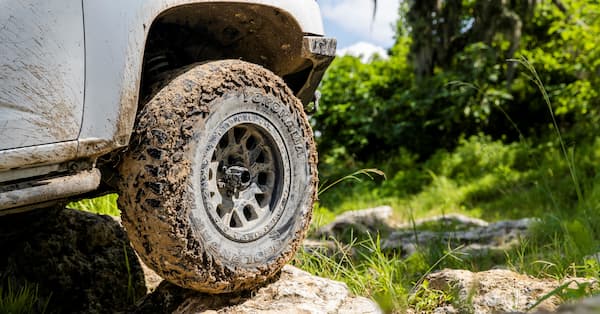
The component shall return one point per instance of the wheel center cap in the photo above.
(236, 178)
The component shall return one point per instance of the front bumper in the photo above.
(320, 51)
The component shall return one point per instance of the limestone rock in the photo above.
(358, 222)
(452, 221)
(151, 278)
(496, 290)
(476, 238)
(295, 291)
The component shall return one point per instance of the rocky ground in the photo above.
(293, 291)
(493, 291)
(83, 263)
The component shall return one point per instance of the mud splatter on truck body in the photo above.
(41, 72)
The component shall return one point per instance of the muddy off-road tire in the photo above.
(220, 179)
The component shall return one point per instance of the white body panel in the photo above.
(41, 72)
(83, 95)
(71, 71)
(115, 51)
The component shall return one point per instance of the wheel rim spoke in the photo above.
(230, 137)
(262, 168)
(253, 154)
(242, 179)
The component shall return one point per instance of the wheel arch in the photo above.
(117, 52)
(192, 33)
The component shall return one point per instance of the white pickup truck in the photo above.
(192, 110)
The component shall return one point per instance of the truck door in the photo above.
(41, 72)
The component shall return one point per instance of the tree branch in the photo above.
(561, 6)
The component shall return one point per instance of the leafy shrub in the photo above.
(370, 111)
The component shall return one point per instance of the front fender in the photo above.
(115, 37)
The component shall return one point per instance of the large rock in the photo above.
(495, 291)
(473, 236)
(448, 221)
(358, 222)
(294, 291)
(81, 262)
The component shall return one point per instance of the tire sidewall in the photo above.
(282, 238)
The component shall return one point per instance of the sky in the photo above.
(351, 22)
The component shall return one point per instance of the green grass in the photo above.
(549, 178)
(482, 178)
(106, 205)
(375, 275)
(21, 300)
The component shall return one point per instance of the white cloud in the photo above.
(364, 50)
(357, 16)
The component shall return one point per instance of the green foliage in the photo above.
(568, 60)
(354, 97)
(369, 111)
(372, 273)
(484, 178)
(426, 300)
(106, 205)
(21, 300)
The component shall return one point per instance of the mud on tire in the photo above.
(220, 179)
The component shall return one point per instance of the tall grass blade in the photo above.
(355, 176)
(535, 78)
